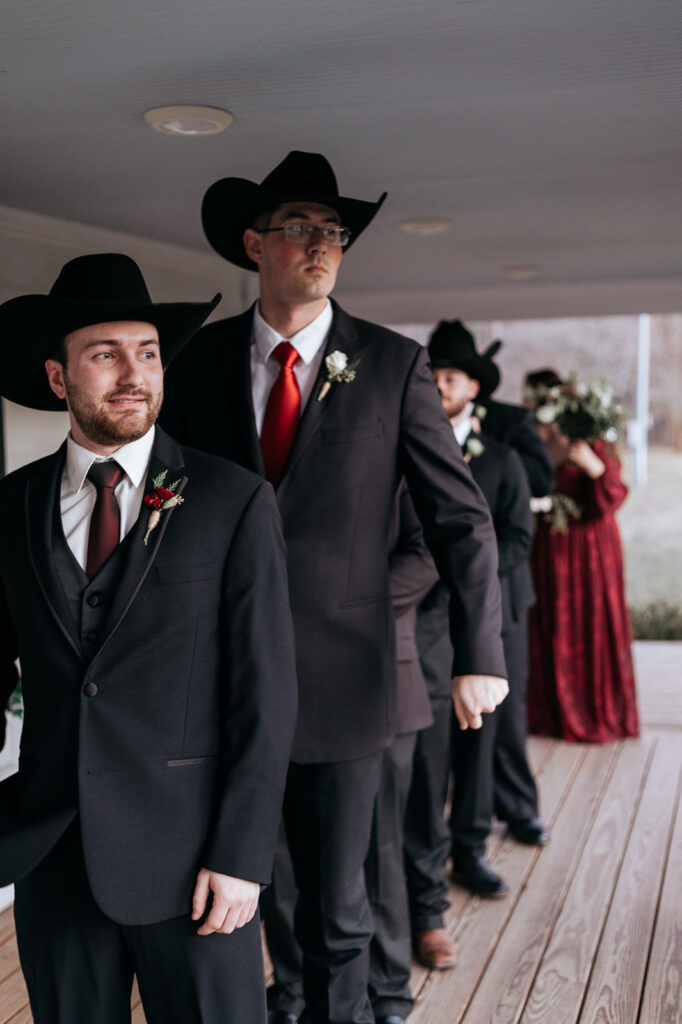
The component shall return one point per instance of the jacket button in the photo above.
(94, 599)
(90, 689)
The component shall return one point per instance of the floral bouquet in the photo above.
(581, 411)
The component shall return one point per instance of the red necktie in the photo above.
(281, 414)
(105, 522)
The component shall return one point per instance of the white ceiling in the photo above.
(548, 131)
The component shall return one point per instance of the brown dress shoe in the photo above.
(434, 948)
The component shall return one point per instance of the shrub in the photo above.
(658, 620)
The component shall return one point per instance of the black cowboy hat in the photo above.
(89, 290)
(232, 204)
(451, 345)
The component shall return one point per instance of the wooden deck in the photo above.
(591, 932)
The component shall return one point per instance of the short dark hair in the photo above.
(264, 219)
(58, 353)
(546, 378)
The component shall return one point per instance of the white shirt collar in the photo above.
(463, 429)
(133, 458)
(307, 341)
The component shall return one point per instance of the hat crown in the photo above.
(452, 340)
(302, 174)
(101, 277)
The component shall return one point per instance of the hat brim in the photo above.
(231, 205)
(32, 326)
(478, 367)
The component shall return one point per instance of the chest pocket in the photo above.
(185, 573)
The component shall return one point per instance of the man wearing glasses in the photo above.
(334, 411)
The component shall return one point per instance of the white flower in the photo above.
(545, 413)
(336, 362)
(475, 447)
(611, 434)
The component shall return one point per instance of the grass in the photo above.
(650, 527)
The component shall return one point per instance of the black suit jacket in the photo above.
(336, 499)
(412, 574)
(501, 476)
(515, 426)
(171, 742)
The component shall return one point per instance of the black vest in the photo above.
(89, 600)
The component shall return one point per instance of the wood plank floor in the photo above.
(591, 931)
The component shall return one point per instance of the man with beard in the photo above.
(513, 425)
(143, 589)
(491, 773)
(334, 411)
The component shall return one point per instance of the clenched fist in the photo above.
(477, 695)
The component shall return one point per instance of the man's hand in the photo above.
(234, 902)
(476, 695)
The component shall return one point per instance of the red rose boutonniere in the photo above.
(160, 500)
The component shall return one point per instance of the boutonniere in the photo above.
(480, 412)
(473, 447)
(160, 500)
(337, 371)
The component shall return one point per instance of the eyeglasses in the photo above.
(302, 233)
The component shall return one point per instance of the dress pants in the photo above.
(516, 796)
(79, 965)
(277, 906)
(391, 947)
(328, 811)
(427, 836)
(491, 773)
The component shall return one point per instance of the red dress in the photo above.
(582, 683)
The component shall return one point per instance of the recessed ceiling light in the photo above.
(188, 120)
(425, 226)
(521, 272)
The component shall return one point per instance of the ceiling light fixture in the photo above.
(425, 226)
(521, 272)
(188, 120)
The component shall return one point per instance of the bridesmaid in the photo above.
(582, 685)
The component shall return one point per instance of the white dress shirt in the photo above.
(309, 343)
(78, 494)
(463, 429)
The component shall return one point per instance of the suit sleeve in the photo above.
(524, 438)
(260, 710)
(513, 517)
(457, 525)
(8, 654)
(411, 568)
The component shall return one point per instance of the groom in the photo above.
(143, 588)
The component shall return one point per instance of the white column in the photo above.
(642, 420)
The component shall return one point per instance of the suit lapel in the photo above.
(342, 336)
(42, 496)
(166, 455)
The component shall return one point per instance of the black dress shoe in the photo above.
(281, 1017)
(531, 831)
(390, 1020)
(474, 874)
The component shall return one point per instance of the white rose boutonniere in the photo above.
(337, 371)
(473, 447)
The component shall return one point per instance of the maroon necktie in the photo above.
(281, 414)
(105, 522)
